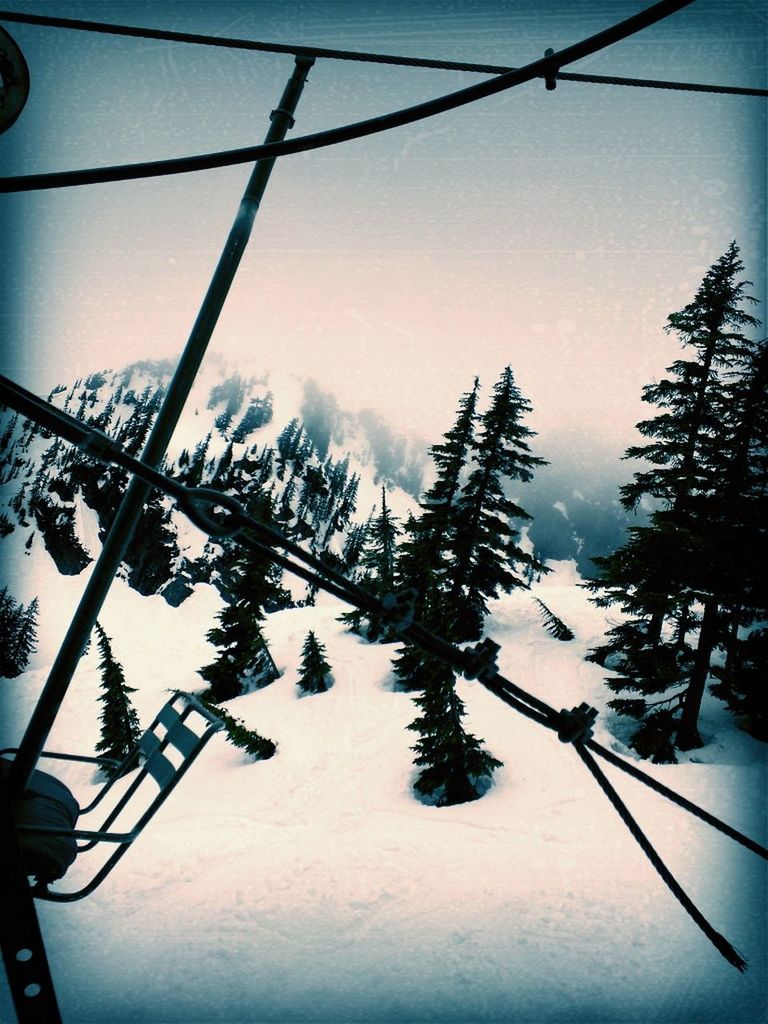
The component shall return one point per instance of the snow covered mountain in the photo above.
(279, 435)
(314, 886)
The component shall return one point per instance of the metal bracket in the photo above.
(550, 79)
(400, 607)
(575, 726)
(480, 661)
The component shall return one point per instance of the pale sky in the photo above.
(554, 231)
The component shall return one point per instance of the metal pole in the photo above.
(137, 492)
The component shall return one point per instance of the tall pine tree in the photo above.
(120, 728)
(486, 556)
(453, 766)
(377, 565)
(251, 586)
(671, 578)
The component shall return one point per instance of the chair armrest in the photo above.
(69, 757)
(78, 833)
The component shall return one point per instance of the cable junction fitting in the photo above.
(400, 607)
(575, 726)
(550, 78)
(481, 661)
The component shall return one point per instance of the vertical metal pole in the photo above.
(137, 492)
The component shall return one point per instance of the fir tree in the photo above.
(377, 565)
(315, 670)
(120, 728)
(18, 634)
(251, 587)
(454, 766)
(675, 577)
(239, 735)
(486, 556)
(554, 625)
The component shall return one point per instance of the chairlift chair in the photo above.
(47, 813)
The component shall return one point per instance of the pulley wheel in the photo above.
(14, 81)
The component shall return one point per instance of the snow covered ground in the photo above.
(314, 888)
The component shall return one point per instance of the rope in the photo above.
(250, 532)
(719, 941)
(546, 66)
(353, 55)
(676, 798)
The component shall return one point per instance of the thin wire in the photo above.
(547, 66)
(354, 55)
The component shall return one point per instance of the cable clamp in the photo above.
(400, 607)
(480, 661)
(285, 113)
(575, 726)
(98, 445)
(550, 79)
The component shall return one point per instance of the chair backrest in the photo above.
(177, 734)
(170, 728)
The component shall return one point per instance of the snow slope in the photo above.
(314, 888)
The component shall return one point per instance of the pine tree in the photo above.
(675, 577)
(377, 564)
(454, 766)
(553, 624)
(18, 634)
(486, 558)
(315, 670)
(239, 735)
(120, 728)
(251, 587)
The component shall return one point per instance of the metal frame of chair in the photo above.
(152, 747)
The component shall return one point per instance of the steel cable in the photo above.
(329, 53)
(545, 66)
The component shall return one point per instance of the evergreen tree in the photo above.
(454, 766)
(553, 624)
(251, 587)
(120, 728)
(486, 556)
(18, 634)
(675, 577)
(378, 573)
(239, 735)
(315, 670)
(153, 551)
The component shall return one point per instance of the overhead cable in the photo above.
(545, 66)
(354, 55)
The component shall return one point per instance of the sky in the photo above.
(551, 231)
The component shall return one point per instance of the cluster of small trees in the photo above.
(692, 583)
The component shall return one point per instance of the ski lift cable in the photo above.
(547, 66)
(245, 529)
(573, 727)
(329, 53)
(719, 941)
